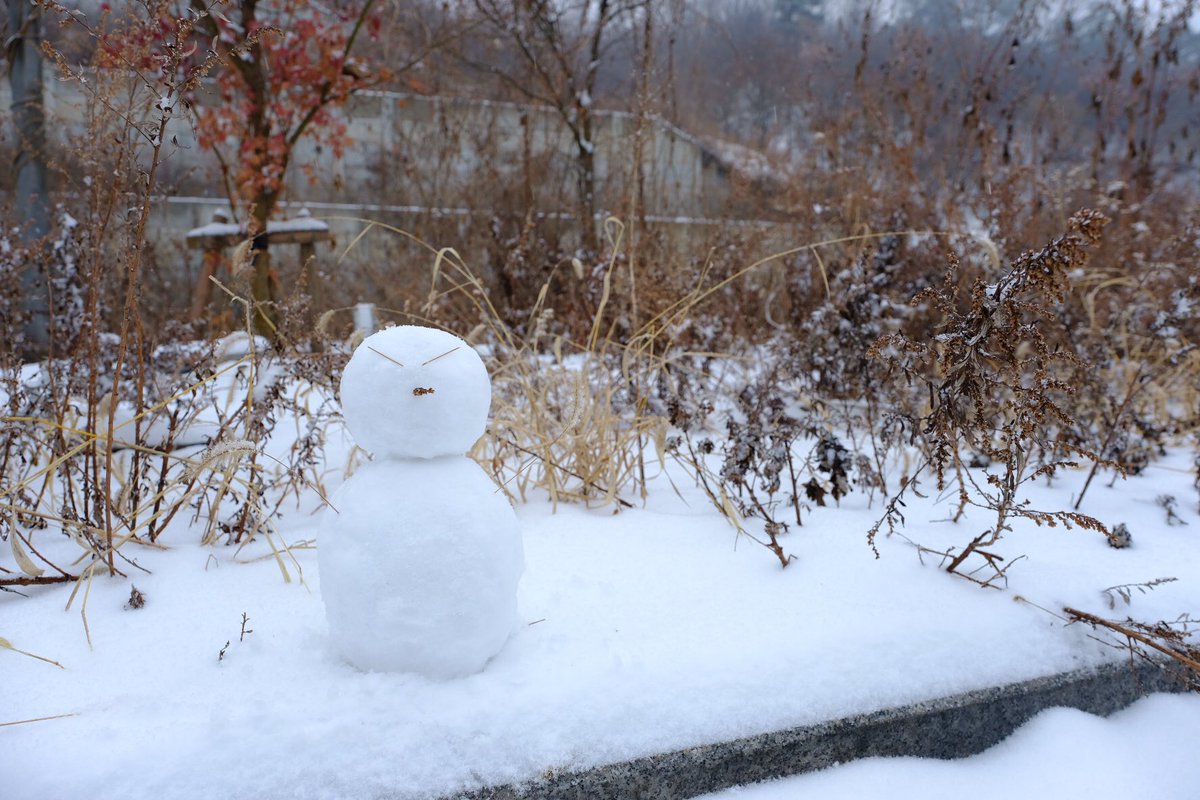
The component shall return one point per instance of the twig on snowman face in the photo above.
(389, 358)
(443, 355)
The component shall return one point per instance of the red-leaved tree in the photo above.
(288, 64)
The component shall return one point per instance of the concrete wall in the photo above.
(448, 153)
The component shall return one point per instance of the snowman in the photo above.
(420, 553)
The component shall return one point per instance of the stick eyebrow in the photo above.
(389, 358)
(443, 355)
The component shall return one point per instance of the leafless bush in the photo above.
(997, 385)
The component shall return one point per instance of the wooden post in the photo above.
(312, 276)
(203, 288)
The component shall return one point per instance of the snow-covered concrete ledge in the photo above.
(948, 727)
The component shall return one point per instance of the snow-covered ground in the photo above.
(642, 632)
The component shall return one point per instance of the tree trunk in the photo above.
(262, 283)
(32, 203)
(586, 184)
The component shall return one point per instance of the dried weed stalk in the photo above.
(1125, 591)
(997, 385)
(1152, 640)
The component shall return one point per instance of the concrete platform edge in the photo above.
(948, 727)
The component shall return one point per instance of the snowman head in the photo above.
(414, 392)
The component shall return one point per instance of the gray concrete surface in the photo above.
(949, 727)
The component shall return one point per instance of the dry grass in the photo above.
(163, 482)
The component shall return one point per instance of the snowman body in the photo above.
(420, 554)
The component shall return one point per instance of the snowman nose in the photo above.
(421, 391)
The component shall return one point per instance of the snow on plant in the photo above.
(12, 310)
(831, 359)
(779, 455)
(996, 386)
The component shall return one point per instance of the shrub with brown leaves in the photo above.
(997, 384)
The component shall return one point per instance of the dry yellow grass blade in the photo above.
(312, 484)
(220, 453)
(37, 719)
(615, 230)
(248, 306)
(277, 552)
(85, 577)
(22, 558)
(7, 645)
(32, 512)
(444, 257)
